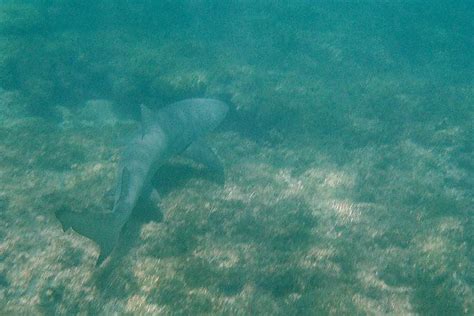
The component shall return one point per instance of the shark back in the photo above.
(185, 121)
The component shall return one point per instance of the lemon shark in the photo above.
(175, 129)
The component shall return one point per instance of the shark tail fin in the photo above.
(103, 229)
(65, 225)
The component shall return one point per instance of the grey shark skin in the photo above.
(166, 133)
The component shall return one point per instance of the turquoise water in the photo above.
(347, 152)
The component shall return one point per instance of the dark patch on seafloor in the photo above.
(174, 175)
(169, 177)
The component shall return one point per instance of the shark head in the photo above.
(214, 110)
(191, 117)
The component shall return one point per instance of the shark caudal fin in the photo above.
(103, 229)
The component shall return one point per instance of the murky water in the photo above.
(347, 154)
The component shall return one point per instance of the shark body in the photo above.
(165, 133)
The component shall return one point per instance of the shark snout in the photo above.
(208, 112)
(220, 110)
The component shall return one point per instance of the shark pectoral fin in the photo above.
(155, 197)
(148, 118)
(103, 229)
(155, 201)
(200, 152)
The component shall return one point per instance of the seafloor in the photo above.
(287, 233)
(348, 177)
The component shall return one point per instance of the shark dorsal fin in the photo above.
(147, 118)
(124, 184)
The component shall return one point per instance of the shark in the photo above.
(175, 129)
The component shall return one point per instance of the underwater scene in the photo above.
(236, 157)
